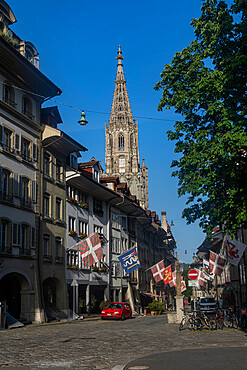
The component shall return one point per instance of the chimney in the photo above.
(164, 221)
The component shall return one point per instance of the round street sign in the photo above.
(193, 274)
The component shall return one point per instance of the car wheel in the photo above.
(122, 317)
(102, 318)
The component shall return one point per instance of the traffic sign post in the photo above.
(193, 275)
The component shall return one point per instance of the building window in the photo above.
(46, 247)
(3, 235)
(25, 245)
(72, 223)
(46, 205)
(121, 164)
(97, 207)
(25, 149)
(121, 141)
(59, 171)
(27, 108)
(25, 191)
(83, 229)
(47, 159)
(6, 186)
(8, 140)
(58, 209)
(8, 94)
(59, 251)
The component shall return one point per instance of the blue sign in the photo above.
(130, 260)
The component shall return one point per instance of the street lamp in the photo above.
(83, 120)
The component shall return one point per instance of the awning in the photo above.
(150, 294)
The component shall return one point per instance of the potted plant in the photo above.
(156, 307)
(82, 235)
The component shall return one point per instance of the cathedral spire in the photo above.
(120, 64)
(121, 111)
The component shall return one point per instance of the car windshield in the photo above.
(115, 305)
(207, 300)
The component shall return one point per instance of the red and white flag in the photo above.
(158, 271)
(234, 250)
(216, 263)
(173, 282)
(201, 278)
(91, 250)
(167, 274)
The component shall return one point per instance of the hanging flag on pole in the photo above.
(201, 278)
(206, 270)
(158, 271)
(90, 249)
(216, 263)
(130, 260)
(173, 282)
(234, 250)
(167, 275)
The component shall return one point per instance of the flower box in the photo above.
(83, 204)
(72, 200)
(73, 233)
(82, 235)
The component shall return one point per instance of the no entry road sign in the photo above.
(193, 274)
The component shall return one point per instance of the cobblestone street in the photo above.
(95, 344)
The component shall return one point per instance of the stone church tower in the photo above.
(121, 136)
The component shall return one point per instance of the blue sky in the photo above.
(78, 41)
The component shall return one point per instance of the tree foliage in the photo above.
(206, 83)
(188, 291)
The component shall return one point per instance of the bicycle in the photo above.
(188, 321)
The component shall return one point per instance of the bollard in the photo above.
(2, 315)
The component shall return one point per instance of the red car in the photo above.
(117, 310)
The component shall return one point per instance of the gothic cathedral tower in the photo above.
(121, 137)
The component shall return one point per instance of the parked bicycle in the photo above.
(189, 321)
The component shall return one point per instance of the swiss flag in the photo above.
(91, 250)
(216, 263)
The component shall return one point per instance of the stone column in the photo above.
(179, 297)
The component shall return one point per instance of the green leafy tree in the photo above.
(206, 83)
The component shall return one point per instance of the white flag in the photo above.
(207, 274)
(234, 250)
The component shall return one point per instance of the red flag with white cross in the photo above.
(158, 271)
(216, 263)
(91, 250)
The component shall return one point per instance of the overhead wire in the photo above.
(81, 110)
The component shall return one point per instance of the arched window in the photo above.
(122, 164)
(132, 140)
(27, 107)
(121, 141)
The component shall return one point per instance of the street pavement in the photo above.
(106, 345)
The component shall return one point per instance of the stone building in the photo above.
(121, 142)
(23, 88)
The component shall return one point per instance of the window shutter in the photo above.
(34, 191)
(15, 234)
(1, 182)
(33, 239)
(20, 186)
(16, 185)
(17, 142)
(34, 152)
(1, 134)
(51, 210)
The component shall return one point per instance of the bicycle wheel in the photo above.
(181, 325)
(213, 324)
